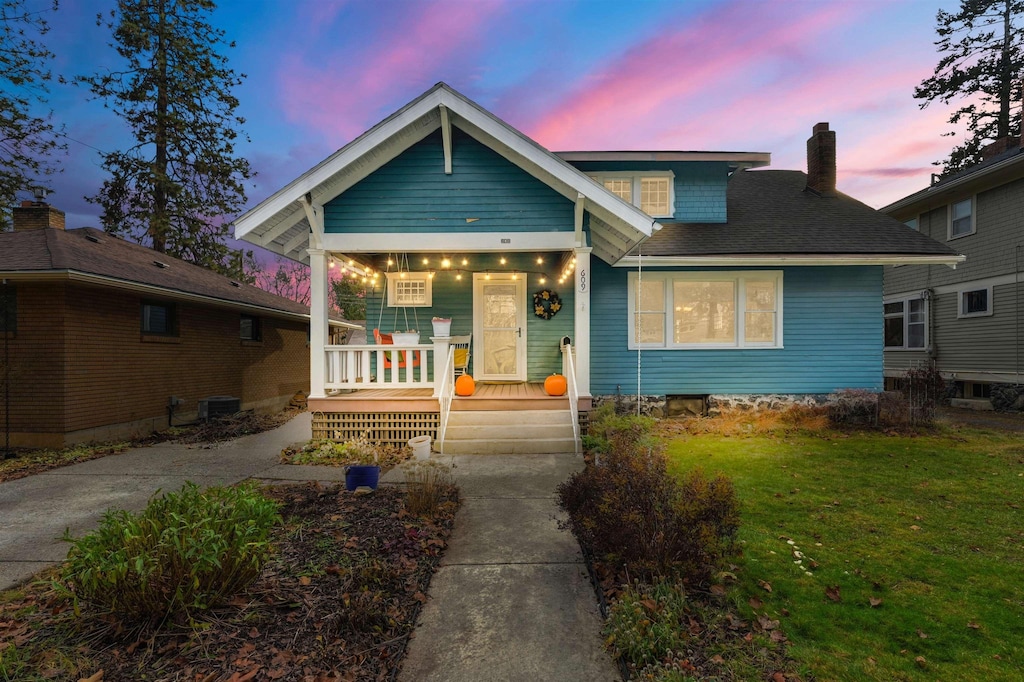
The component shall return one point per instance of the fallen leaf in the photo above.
(305, 580)
(921, 662)
(833, 593)
(767, 623)
(921, 634)
(718, 590)
(875, 602)
(420, 597)
(755, 603)
(717, 658)
(764, 585)
(650, 604)
(972, 625)
(778, 677)
(915, 528)
(95, 677)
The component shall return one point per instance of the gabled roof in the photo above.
(279, 223)
(91, 255)
(998, 170)
(773, 218)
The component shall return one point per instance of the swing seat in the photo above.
(386, 339)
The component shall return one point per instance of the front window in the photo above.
(705, 310)
(653, 192)
(961, 218)
(906, 324)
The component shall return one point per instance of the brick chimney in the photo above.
(821, 161)
(36, 215)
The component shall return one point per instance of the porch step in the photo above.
(496, 432)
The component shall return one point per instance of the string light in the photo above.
(390, 262)
(426, 261)
(458, 276)
(465, 261)
(542, 280)
(487, 276)
(540, 261)
(502, 261)
(445, 263)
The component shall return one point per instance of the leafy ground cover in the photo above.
(882, 556)
(28, 462)
(337, 601)
(339, 454)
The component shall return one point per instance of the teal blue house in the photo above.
(652, 273)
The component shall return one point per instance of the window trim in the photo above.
(738, 276)
(905, 300)
(636, 177)
(949, 218)
(428, 289)
(172, 318)
(960, 307)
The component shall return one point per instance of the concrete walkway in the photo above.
(511, 600)
(37, 509)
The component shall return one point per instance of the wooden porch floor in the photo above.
(518, 396)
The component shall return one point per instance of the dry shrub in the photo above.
(631, 512)
(429, 485)
(736, 422)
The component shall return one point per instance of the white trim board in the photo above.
(438, 242)
(784, 259)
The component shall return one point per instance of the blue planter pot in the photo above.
(359, 475)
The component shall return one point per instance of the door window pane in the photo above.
(499, 305)
(500, 357)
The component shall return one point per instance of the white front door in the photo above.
(499, 327)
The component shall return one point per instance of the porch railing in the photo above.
(445, 397)
(569, 371)
(379, 366)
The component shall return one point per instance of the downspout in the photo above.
(639, 286)
(7, 372)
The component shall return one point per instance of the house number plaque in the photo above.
(582, 278)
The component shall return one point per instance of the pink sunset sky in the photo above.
(733, 75)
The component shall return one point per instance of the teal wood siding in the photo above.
(832, 331)
(700, 186)
(454, 298)
(412, 194)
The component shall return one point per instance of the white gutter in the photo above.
(788, 259)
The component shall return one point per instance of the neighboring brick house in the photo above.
(967, 322)
(101, 333)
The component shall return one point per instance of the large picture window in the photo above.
(906, 324)
(689, 310)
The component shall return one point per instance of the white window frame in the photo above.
(428, 288)
(636, 177)
(738, 277)
(905, 300)
(961, 308)
(949, 219)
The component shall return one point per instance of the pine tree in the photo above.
(983, 63)
(177, 185)
(26, 138)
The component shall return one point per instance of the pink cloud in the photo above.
(677, 67)
(344, 93)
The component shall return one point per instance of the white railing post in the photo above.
(569, 371)
(444, 398)
(440, 351)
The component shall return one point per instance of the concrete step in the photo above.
(505, 432)
(520, 418)
(509, 446)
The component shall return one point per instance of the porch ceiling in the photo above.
(280, 222)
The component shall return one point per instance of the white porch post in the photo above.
(440, 360)
(317, 322)
(581, 341)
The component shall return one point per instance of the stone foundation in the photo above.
(650, 405)
(758, 402)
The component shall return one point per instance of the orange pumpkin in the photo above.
(555, 385)
(464, 385)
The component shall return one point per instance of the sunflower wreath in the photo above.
(546, 303)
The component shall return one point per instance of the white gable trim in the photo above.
(283, 210)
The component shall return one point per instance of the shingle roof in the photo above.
(771, 212)
(91, 251)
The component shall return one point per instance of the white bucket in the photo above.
(442, 326)
(406, 338)
(420, 447)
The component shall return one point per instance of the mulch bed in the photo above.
(338, 601)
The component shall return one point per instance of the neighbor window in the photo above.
(251, 329)
(906, 324)
(705, 310)
(914, 223)
(975, 302)
(409, 289)
(961, 218)
(650, 191)
(9, 309)
(159, 318)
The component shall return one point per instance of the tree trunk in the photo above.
(158, 220)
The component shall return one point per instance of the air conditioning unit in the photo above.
(219, 406)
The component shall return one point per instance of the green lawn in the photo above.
(922, 536)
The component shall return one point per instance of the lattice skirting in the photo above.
(378, 427)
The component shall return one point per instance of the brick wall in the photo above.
(100, 370)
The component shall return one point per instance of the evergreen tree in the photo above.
(26, 139)
(983, 63)
(177, 185)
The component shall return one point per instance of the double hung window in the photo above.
(906, 324)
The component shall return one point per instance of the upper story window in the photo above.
(653, 192)
(693, 310)
(9, 309)
(906, 324)
(975, 302)
(159, 318)
(410, 289)
(250, 328)
(961, 218)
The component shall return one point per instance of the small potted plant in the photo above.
(361, 474)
